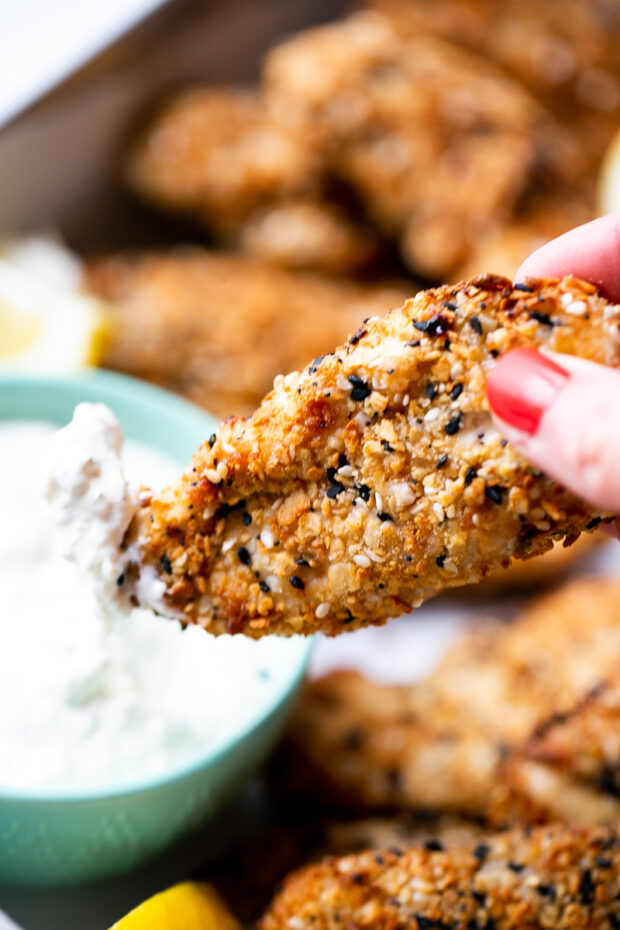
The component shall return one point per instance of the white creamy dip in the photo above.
(93, 695)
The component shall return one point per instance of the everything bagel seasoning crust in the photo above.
(375, 478)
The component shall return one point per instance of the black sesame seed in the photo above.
(516, 867)
(396, 851)
(547, 891)
(433, 845)
(379, 859)
(494, 493)
(342, 460)
(524, 287)
(384, 517)
(243, 555)
(335, 490)
(303, 562)
(360, 389)
(413, 343)
(440, 560)
(297, 582)
(387, 446)
(470, 474)
(586, 887)
(543, 318)
(593, 522)
(364, 492)
(120, 581)
(355, 338)
(431, 390)
(453, 425)
(438, 325)
(481, 852)
(448, 305)
(603, 862)
(331, 476)
(264, 587)
(247, 518)
(446, 345)
(166, 564)
(357, 878)
(456, 391)
(476, 325)
(211, 440)
(441, 461)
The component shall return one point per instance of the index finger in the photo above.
(590, 252)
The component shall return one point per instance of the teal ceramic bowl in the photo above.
(58, 837)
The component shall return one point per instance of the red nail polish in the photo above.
(522, 385)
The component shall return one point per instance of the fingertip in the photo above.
(590, 252)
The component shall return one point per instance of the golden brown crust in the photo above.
(219, 327)
(556, 878)
(437, 744)
(439, 145)
(568, 770)
(375, 478)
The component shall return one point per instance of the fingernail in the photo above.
(522, 385)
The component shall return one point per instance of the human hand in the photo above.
(563, 413)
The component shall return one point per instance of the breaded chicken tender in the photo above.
(248, 877)
(375, 478)
(569, 769)
(218, 328)
(550, 878)
(437, 744)
(439, 145)
(353, 744)
(214, 154)
(564, 51)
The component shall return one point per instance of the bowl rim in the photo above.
(109, 387)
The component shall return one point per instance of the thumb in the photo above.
(563, 414)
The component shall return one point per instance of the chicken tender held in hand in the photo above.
(556, 878)
(375, 478)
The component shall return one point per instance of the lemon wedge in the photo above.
(609, 179)
(188, 906)
(46, 325)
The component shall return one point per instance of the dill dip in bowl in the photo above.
(118, 732)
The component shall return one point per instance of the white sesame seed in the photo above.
(475, 520)
(432, 414)
(406, 400)
(374, 556)
(274, 583)
(322, 610)
(576, 308)
(222, 471)
(266, 537)
(397, 398)
(378, 501)
(450, 566)
(226, 446)
(456, 371)
(346, 471)
(228, 544)
(543, 525)
(362, 560)
(344, 384)
(566, 299)
(438, 511)
(278, 382)
(212, 475)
